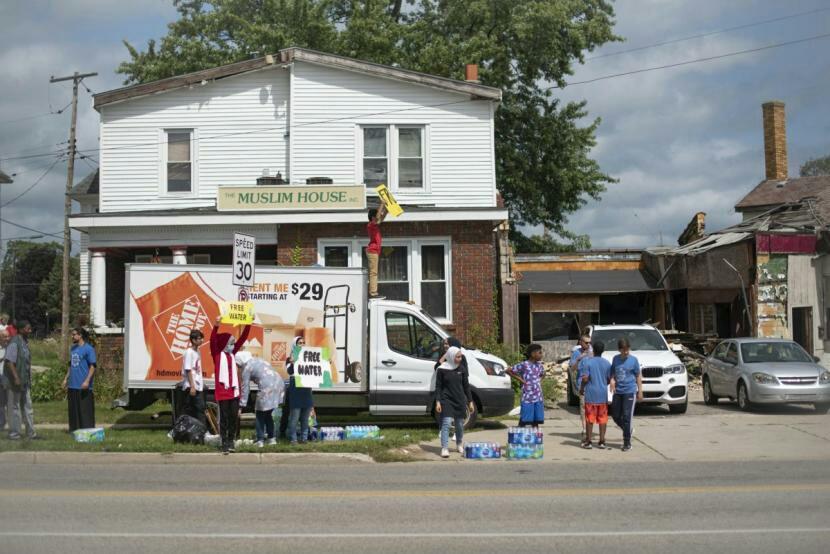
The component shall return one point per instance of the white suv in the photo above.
(664, 376)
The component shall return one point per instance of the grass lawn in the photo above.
(141, 440)
(56, 411)
(45, 352)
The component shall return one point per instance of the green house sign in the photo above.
(291, 198)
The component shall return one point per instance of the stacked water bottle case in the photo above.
(523, 443)
(482, 450)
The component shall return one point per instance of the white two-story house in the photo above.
(169, 150)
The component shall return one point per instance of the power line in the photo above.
(709, 34)
(688, 62)
(35, 116)
(38, 231)
(33, 185)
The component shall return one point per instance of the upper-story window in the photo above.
(394, 155)
(178, 163)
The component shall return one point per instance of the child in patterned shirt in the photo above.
(529, 374)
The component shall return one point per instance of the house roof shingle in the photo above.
(772, 192)
(289, 55)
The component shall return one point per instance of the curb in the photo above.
(164, 458)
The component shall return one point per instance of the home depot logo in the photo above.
(175, 323)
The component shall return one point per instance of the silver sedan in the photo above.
(765, 371)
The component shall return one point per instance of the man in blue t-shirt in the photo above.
(593, 378)
(627, 386)
(79, 382)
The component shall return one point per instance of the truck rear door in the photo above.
(404, 363)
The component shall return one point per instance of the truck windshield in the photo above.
(441, 333)
(640, 339)
(771, 352)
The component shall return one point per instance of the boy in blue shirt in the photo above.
(594, 376)
(79, 381)
(627, 386)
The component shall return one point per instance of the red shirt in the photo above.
(374, 238)
(217, 347)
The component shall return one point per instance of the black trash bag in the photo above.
(189, 430)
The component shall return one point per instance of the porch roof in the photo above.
(210, 216)
(586, 282)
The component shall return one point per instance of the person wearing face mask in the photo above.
(452, 399)
(223, 348)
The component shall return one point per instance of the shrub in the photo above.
(48, 385)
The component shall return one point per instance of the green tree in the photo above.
(49, 293)
(25, 266)
(815, 167)
(524, 47)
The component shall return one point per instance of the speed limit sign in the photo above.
(244, 259)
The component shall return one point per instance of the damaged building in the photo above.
(767, 276)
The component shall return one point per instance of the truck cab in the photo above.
(405, 343)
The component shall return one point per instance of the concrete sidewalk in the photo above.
(704, 433)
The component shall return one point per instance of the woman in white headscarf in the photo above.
(271, 388)
(452, 398)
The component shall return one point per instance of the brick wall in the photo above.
(110, 352)
(473, 262)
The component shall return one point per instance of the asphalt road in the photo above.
(753, 506)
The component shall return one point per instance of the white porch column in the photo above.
(98, 288)
(179, 255)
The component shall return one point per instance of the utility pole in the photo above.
(67, 209)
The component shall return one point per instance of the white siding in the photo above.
(250, 109)
(459, 147)
(83, 261)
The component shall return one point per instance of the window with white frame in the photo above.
(178, 162)
(408, 269)
(394, 155)
(375, 156)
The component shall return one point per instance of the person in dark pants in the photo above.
(193, 385)
(300, 399)
(627, 387)
(223, 348)
(453, 399)
(78, 382)
(18, 368)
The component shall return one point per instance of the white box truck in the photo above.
(382, 352)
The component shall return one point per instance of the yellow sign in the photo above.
(389, 201)
(299, 197)
(237, 313)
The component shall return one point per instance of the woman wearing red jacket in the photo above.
(223, 348)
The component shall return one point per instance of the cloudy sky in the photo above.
(679, 140)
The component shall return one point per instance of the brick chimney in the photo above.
(471, 73)
(775, 140)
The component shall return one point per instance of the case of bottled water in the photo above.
(332, 434)
(523, 443)
(482, 450)
(354, 432)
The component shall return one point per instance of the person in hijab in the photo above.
(270, 391)
(299, 399)
(223, 347)
(452, 398)
(445, 345)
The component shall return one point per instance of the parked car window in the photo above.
(640, 339)
(770, 352)
(732, 354)
(720, 351)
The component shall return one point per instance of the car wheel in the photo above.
(821, 408)
(709, 398)
(743, 397)
(573, 400)
(679, 408)
(472, 417)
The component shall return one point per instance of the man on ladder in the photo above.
(376, 217)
